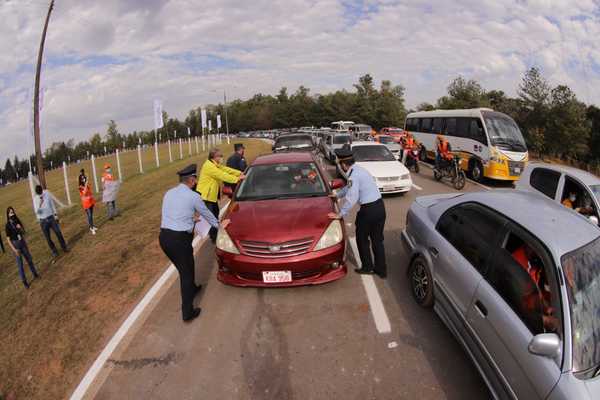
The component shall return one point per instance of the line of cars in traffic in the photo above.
(513, 274)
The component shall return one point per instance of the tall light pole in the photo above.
(226, 119)
(36, 103)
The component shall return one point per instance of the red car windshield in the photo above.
(281, 181)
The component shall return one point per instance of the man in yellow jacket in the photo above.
(212, 175)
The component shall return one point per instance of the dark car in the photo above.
(294, 142)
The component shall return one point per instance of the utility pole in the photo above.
(36, 103)
(226, 120)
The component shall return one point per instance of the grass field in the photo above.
(52, 332)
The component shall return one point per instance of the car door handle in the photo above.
(434, 251)
(479, 305)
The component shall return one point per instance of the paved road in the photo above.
(301, 343)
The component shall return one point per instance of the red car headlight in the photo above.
(333, 235)
(225, 243)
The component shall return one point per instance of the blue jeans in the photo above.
(48, 224)
(89, 213)
(23, 251)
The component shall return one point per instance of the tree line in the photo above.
(553, 120)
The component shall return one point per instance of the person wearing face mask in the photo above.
(180, 209)
(109, 191)
(212, 175)
(15, 232)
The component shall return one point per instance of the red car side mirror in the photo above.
(227, 191)
(337, 184)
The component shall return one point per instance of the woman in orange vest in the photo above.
(87, 200)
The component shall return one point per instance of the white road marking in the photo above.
(417, 187)
(114, 342)
(380, 317)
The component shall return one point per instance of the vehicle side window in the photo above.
(545, 180)
(462, 127)
(520, 274)
(437, 125)
(412, 125)
(476, 131)
(329, 139)
(471, 229)
(426, 125)
(451, 126)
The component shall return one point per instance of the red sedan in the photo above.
(280, 234)
(396, 133)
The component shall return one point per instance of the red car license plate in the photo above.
(277, 276)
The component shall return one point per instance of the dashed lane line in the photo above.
(380, 317)
(139, 309)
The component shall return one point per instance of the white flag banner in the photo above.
(158, 116)
(218, 121)
(203, 115)
(209, 125)
(189, 132)
(111, 189)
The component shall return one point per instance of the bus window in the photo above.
(412, 125)
(426, 125)
(476, 131)
(462, 127)
(437, 125)
(451, 126)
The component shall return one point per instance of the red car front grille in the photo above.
(276, 250)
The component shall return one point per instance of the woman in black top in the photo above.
(15, 232)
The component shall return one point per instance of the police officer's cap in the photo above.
(190, 170)
(238, 146)
(345, 153)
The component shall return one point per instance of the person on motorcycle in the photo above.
(443, 153)
(408, 143)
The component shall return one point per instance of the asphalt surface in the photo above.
(316, 342)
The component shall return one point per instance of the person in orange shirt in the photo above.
(107, 179)
(87, 200)
(539, 294)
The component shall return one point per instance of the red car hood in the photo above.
(278, 221)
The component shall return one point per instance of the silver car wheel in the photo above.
(420, 282)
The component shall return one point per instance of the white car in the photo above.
(391, 175)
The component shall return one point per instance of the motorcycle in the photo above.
(412, 159)
(452, 170)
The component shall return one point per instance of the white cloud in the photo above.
(109, 59)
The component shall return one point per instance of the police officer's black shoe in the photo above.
(363, 271)
(381, 275)
(195, 313)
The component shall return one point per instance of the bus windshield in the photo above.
(504, 132)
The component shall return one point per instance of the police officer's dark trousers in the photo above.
(370, 221)
(214, 209)
(178, 247)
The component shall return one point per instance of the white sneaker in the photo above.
(93, 230)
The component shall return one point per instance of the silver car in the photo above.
(558, 182)
(516, 278)
(333, 141)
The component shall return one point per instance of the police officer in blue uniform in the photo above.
(370, 219)
(180, 207)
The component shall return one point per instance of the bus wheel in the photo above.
(476, 170)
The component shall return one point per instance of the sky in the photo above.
(110, 59)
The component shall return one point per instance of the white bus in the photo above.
(341, 126)
(490, 143)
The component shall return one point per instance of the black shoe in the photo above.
(381, 275)
(363, 271)
(26, 285)
(195, 313)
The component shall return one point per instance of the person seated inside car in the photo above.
(538, 294)
(305, 180)
(572, 200)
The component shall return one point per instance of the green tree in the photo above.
(463, 93)
(534, 94)
(568, 132)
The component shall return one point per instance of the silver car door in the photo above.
(504, 325)
(461, 255)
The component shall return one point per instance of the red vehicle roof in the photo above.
(277, 158)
